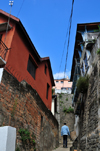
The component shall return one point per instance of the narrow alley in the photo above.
(60, 148)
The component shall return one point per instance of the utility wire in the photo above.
(66, 40)
(63, 51)
(20, 7)
(69, 36)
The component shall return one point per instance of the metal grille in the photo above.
(3, 50)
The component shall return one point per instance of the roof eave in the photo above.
(51, 75)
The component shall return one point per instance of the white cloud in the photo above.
(61, 75)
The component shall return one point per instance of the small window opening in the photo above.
(62, 81)
(31, 67)
(47, 90)
(41, 120)
(0, 37)
(45, 69)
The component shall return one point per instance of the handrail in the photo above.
(3, 50)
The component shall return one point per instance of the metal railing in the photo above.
(3, 50)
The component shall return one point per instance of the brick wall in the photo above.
(22, 107)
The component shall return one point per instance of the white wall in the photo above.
(7, 138)
(76, 125)
(62, 91)
(1, 73)
(52, 107)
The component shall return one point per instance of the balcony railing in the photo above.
(3, 52)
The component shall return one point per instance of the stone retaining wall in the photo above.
(89, 135)
(65, 101)
(21, 107)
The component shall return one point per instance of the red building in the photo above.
(22, 60)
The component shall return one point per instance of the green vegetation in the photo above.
(66, 99)
(34, 149)
(97, 30)
(27, 138)
(69, 110)
(33, 141)
(17, 149)
(60, 96)
(98, 51)
(82, 84)
(25, 135)
(53, 91)
(61, 102)
(64, 109)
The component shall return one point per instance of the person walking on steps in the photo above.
(64, 133)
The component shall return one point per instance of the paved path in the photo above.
(61, 149)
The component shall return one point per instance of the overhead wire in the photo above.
(68, 31)
(69, 36)
(20, 7)
(63, 50)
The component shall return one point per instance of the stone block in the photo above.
(7, 138)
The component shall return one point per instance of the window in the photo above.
(41, 120)
(62, 81)
(45, 69)
(0, 37)
(47, 90)
(56, 81)
(31, 67)
(63, 88)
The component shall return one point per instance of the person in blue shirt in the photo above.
(64, 133)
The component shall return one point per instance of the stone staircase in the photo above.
(60, 148)
(69, 143)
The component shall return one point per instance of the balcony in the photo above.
(3, 53)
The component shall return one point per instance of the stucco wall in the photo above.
(59, 84)
(17, 61)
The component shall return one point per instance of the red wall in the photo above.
(17, 65)
(10, 33)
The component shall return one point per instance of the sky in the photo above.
(46, 22)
